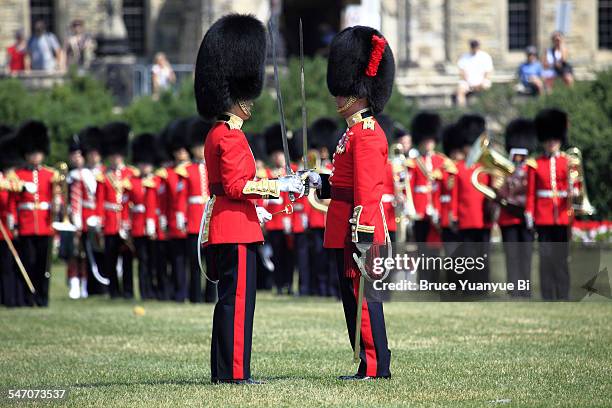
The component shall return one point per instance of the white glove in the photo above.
(263, 215)
(292, 184)
(163, 222)
(30, 187)
(287, 225)
(150, 228)
(305, 221)
(123, 233)
(314, 179)
(529, 221)
(180, 221)
(94, 221)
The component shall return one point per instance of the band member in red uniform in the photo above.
(11, 282)
(225, 85)
(521, 141)
(360, 75)
(141, 199)
(453, 148)
(197, 197)
(176, 184)
(548, 193)
(32, 209)
(473, 209)
(91, 141)
(278, 229)
(113, 211)
(163, 281)
(71, 242)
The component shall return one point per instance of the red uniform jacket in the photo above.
(548, 190)
(112, 199)
(142, 205)
(508, 218)
(388, 199)
(33, 211)
(231, 214)
(83, 186)
(161, 203)
(469, 204)
(5, 210)
(197, 195)
(176, 183)
(357, 183)
(448, 194)
(299, 218)
(275, 205)
(425, 188)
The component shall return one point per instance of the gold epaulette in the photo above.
(369, 123)
(162, 173)
(410, 163)
(450, 166)
(127, 184)
(134, 170)
(181, 170)
(148, 182)
(100, 177)
(531, 162)
(263, 187)
(436, 174)
(56, 176)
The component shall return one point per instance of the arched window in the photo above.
(134, 16)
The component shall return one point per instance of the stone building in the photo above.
(427, 36)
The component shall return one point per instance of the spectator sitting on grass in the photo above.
(530, 72)
(475, 68)
(556, 63)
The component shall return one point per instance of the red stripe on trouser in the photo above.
(239, 306)
(366, 333)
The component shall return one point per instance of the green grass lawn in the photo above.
(444, 354)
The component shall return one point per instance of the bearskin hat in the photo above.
(521, 134)
(161, 153)
(552, 124)
(258, 145)
(425, 125)
(451, 138)
(361, 64)
(144, 149)
(230, 64)
(91, 139)
(296, 145)
(178, 136)
(399, 131)
(74, 144)
(9, 148)
(198, 130)
(470, 127)
(33, 136)
(116, 137)
(323, 133)
(274, 141)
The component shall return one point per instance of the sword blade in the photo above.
(279, 97)
(303, 90)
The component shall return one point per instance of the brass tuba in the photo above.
(494, 163)
(62, 180)
(313, 161)
(579, 202)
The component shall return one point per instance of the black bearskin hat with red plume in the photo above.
(230, 64)
(361, 64)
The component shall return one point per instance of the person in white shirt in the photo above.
(163, 74)
(475, 68)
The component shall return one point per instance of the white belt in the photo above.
(549, 193)
(197, 200)
(138, 209)
(113, 206)
(90, 205)
(423, 189)
(388, 198)
(445, 198)
(43, 205)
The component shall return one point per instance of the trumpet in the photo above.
(313, 161)
(579, 202)
(64, 225)
(494, 163)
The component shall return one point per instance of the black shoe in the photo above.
(248, 381)
(359, 377)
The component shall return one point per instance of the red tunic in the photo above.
(447, 196)
(176, 195)
(33, 211)
(4, 210)
(425, 174)
(548, 190)
(83, 186)
(230, 164)
(508, 218)
(388, 199)
(141, 204)
(469, 203)
(197, 195)
(299, 218)
(357, 180)
(112, 199)
(161, 203)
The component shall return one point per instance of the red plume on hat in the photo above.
(378, 49)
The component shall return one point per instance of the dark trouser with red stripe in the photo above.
(375, 354)
(235, 266)
(554, 267)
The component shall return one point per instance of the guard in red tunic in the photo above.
(142, 199)
(177, 195)
(360, 75)
(549, 191)
(473, 209)
(521, 141)
(32, 210)
(225, 85)
(113, 211)
(197, 197)
(453, 149)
